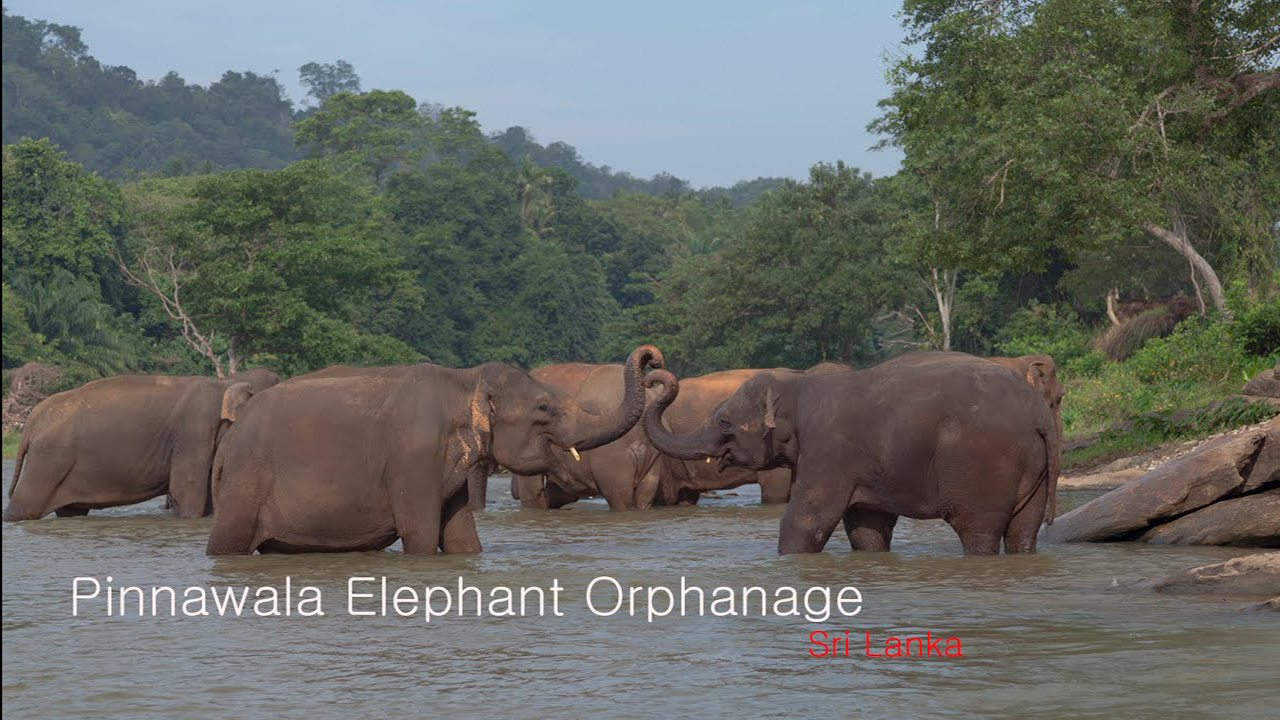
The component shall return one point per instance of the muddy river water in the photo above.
(1057, 634)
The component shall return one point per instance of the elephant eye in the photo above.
(543, 407)
(725, 425)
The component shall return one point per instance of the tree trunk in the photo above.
(943, 287)
(1176, 238)
(1113, 296)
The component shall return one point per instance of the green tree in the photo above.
(1083, 124)
(274, 264)
(324, 80)
(374, 130)
(803, 284)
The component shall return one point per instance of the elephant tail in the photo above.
(23, 444)
(1052, 468)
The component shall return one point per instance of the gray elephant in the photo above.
(928, 435)
(126, 439)
(353, 463)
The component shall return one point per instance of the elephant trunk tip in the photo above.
(646, 355)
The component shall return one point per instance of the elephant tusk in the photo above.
(574, 452)
(708, 459)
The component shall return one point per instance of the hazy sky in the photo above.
(713, 92)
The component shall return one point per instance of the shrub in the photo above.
(1049, 329)
(1257, 328)
(1199, 350)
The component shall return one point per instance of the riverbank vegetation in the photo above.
(1099, 181)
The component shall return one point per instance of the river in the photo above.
(1059, 634)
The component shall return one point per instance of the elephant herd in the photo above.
(347, 459)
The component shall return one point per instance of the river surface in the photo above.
(1060, 634)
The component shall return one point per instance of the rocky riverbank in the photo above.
(1223, 491)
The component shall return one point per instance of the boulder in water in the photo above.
(1221, 469)
(1249, 521)
(1257, 574)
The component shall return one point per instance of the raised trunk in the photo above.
(699, 444)
(584, 430)
(1177, 239)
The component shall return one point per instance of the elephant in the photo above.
(477, 485)
(1042, 373)
(925, 435)
(351, 463)
(126, 439)
(629, 473)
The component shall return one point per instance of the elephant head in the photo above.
(243, 386)
(523, 418)
(753, 428)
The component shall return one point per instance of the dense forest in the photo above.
(1099, 180)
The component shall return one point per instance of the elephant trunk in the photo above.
(693, 446)
(584, 430)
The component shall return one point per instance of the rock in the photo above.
(1273, 605)
(1247, 575)
(1266, 467)
(1100, 480)
(1249, 521)
(1264, 384)
(1219, 469)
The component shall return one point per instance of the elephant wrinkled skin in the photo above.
(355, 462)
(926, 435)
(126, 439)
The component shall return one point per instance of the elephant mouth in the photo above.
(725, 462)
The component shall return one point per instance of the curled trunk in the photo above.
(584, 430)
(696, 445)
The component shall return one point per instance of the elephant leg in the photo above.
(1020, 535)
(980, 533)
(618, 489)
(189, 477)
(478, 489)
(775, 486)
(70, 511)
(417, 505)
(646, 494)
(33, 494)
(235, 525)
(869, 530)
(458, 531)
(818, 501)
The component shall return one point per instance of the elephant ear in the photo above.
(482, 407)
(1036, 373)
(770, 408)
(233, 397)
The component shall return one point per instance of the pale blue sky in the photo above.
(712, 92)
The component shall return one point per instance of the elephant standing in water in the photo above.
(355, 462)
(928, 435)
(126, 439)
(630, 473)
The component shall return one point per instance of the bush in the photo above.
(1257, 328)
(1049, 329)
(1199, 350)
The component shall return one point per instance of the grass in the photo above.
(1153, 430)
(11, 444)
